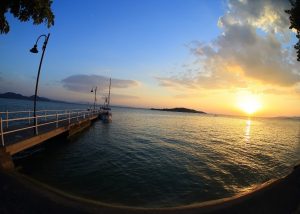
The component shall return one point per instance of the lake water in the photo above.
(158, 159)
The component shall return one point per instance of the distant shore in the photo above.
(12, 95)
(186, 110)
(22, 194)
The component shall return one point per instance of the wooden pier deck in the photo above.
(20, 131)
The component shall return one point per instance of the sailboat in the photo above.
(106, 115)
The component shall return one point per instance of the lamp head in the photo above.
(34, 49)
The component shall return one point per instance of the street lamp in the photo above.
(35, 50)
(95, 90)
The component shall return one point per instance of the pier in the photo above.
(20, 130)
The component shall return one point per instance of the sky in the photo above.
(215, 56)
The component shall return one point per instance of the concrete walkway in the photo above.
(20, 194)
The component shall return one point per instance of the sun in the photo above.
(249, 103)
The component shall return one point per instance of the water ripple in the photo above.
(157, 159)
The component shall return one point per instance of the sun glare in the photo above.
(249, 103)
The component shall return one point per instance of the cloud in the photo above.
(241, 50)
(175, 82)
(274, 91)
(186, 95)
(84, 83)
(267, 15)
(250, 49)
(123, 96)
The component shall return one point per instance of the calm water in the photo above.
(156, 159)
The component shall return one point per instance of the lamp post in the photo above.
(95, 90)
(35, 50)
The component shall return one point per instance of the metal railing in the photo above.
(17, 121)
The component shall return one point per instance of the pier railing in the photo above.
(13, 122)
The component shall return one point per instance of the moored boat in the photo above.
(106, 115)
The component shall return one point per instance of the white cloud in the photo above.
(249, 49)
(84, 83)
(268, 15)
(123, 96)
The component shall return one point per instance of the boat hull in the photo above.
(105, 116)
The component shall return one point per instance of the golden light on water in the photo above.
(247, 130)
(248, 103)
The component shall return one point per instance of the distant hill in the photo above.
(179, 110)
(11, 95)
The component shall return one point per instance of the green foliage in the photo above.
(37, 10)
(294, 13)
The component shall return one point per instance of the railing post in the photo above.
(56, 120)
(77, 116)
(6, 118)
(69, 118)
(1, 130)
(45, 115)
(29, 117)
(36, 125)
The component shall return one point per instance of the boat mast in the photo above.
(109, 92)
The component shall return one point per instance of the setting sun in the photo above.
(249, 103)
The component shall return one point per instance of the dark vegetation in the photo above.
(24, 10)
(179, 110)
(294, 13)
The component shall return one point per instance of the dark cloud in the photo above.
(84, 83)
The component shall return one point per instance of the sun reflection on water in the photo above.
(184, 158)
(247, 131)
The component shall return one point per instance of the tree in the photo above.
(37, 10)
(294, 13)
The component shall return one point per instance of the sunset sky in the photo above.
(215, 56)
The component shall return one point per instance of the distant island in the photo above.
(179, 110)
(12, 95)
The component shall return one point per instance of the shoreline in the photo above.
(20, 193)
